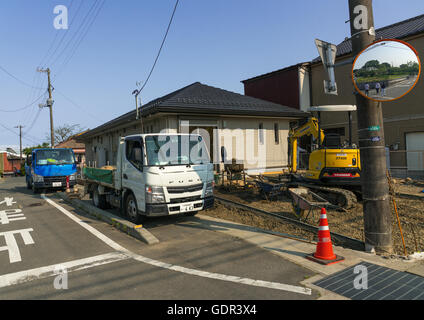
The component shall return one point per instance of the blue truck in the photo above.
(50, 169)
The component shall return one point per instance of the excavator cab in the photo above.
(331, 162)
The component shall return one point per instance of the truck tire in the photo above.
(131, 210)
(99, 200)
(35, 190)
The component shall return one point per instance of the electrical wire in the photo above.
(26, 138)
(78, 106)
(76, 33)
(32, 123)
(26, 107)
(160, 49)
(17, 79)
(78, 42)
(65, 32)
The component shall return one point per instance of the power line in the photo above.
(78, 43)
(78, 106)
(26, 107)
(56, 35)
(160, 49)
(78, 30)
(33, 122)
(17, 79)
(11, 130)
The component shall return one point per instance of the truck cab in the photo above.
(50, 169)
(156, 175)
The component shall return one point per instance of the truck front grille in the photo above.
(55, 179)
(193, 188)
(185, 199)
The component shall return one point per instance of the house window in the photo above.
(261, 133)
(276, 133)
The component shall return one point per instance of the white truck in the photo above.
(155, 175)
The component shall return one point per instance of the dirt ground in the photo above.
(350, 223)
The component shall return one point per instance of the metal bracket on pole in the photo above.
(327, 52)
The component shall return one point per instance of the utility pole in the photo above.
(375, 189)
(49, 104)
(20, 142)
(139, 115)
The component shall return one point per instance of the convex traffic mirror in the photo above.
(386, 70)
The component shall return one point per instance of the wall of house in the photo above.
(239, 136)
(400, 117)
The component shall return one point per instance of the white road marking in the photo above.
(9, 201)
(163, 265)
(11, 215)
(12, 246)
(49, 271)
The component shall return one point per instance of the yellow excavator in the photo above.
(334, 168)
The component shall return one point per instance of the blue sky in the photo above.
(219, 43)
(392, 52)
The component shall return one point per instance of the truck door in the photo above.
(133, 177)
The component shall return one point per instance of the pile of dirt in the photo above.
(349, 223)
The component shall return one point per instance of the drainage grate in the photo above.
(383, 284)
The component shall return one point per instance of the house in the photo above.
(77, 147)
(10, 161)
(403, 118)
(289, 86)
(250, 130)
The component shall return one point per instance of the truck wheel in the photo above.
(99, 201)
(131, 210)
(35, 190)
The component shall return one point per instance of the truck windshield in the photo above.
(54, 157)
(176, 150)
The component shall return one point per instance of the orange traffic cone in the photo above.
(324, 253)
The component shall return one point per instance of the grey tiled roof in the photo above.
(398, 30)
(199, 98)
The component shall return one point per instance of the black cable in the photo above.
(78, 42)
(17, 79)
(160, 49)
(26, 107)
(76, 33)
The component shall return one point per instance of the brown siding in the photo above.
(280, 87)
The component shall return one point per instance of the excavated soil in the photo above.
(349, 223)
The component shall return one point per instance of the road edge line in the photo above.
(125, 226)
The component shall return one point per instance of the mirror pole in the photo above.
(375, 189)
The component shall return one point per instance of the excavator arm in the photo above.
(309, 128)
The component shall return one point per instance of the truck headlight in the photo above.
(73, 177)
(37, 178)
(154, 195)
(209, 189)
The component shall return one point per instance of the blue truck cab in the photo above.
(50, 169)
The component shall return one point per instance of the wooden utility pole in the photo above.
(20, 142)
(375, 189)
(50, 104)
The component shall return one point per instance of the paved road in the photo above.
(394, 91)
(103, 263)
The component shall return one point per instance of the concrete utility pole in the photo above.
(20, 142)
(375, 189)
(139, 115)
(49, 104)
